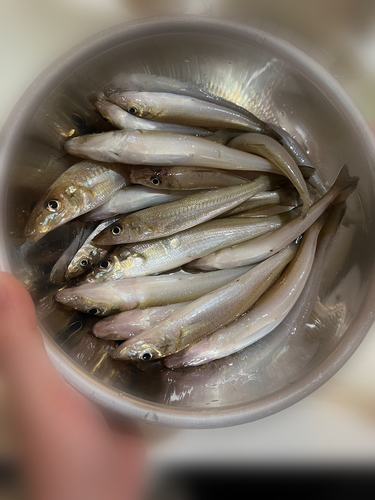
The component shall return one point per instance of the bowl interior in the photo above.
(253, 76)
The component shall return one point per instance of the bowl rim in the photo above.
(94, 389)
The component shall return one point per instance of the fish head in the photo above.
(128, 230)
(135, 103)
(109, 269)
(137, 350)
(110, 112)
(99, 147)
(60, 205)
(84, 260)
(90, 299)
(153, 177)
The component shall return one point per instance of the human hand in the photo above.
(68, 450)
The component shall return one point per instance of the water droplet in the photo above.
(187, 60)
(151, 415)
(260, 38)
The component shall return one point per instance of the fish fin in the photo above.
(345, 184)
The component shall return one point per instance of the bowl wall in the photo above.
(280, 85)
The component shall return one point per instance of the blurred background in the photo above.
(332, 432)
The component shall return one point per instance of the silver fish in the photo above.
(273, 151)
(184, 178)
(88, 254)
(139, 147)
(170, 218)
(161, 255)
(182, 110)
(121, 119)
(204, 315)
(131, 199)
(131, 323)
(267, 313)
(264, 246)
(143, 82)
(83, 187)
(58, 271)
(103, 299)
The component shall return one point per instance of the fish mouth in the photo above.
(123, 353)
(103, 106)
(74, 146)
(115, 98)
(34, 234)
(71, 299)
(100, 240)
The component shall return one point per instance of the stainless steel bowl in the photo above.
(280, 85)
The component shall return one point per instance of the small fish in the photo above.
(206, 314)
(81, 231)
(132, 199)
(83, 187)
(262, 247)
(273, 151)
(268, 312)
(104, 299)
(88, 254)
(140, 147)
(170, 218)
(158, 256)
(121, 119)
(131, 323)
(143, 82)
(183, 178)
(182, 110)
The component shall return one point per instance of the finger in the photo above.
(28, 371)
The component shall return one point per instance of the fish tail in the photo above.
(345, 184)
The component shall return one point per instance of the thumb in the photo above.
(20, 339)
(24, 364)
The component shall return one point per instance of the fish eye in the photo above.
(132, 110)
(53, 205)
(93, 311)
(84, 262)
(155, 181)
(146, 356)
(105, 264)
(116, 230)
